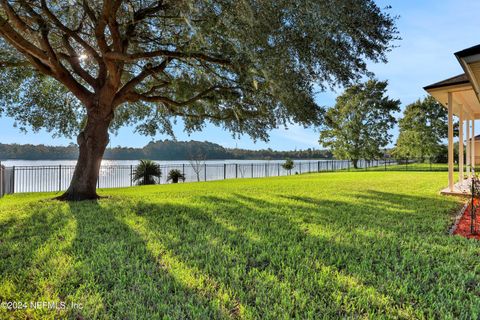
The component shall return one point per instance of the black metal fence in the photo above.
(17, 179)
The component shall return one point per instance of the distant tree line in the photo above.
(159, 150)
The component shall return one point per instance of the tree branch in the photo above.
(136, 96)
(19, 42)
(138, 16)
(167, 53)
(120, 97)
(70, 32)
(45, 63)
(73, 60)
(15, 64)
(17, 21)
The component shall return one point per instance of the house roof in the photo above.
(463, 89)
(468, 52)
(460, 79)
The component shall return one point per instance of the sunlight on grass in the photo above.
(333, 245)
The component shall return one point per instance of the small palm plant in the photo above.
(147, 172)
(175, 175)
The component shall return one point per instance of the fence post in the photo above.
(59, 177)
(278, 169)
(318, 166)
(236, 170)
(13, 179)
(224, 171)
(205, 174)
(1, 180)
(252, 169)
(131, 175)
(348, 161)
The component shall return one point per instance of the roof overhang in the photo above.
(469, 59)
(463, 94)
(465, 88)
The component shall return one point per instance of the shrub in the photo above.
(175, 175)
(288, 164)
(147, 172)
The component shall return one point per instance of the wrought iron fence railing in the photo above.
(56, 178)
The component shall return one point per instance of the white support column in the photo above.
(460, 145)
(473, 146)
(450, 142)
(467, 129)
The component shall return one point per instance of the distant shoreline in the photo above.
(166, 150)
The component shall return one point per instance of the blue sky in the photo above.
(431, 32)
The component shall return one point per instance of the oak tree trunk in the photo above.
(355, 163)
(92, 142)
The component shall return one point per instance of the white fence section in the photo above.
(56, 178)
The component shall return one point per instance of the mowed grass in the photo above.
(329, 245)
(415, 166)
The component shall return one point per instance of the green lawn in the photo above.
(415, 166)
(329, 245)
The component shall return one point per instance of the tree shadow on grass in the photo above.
(23, 254)
(279, 265)
(245, 256)
(120, 277)
(384, 210)
(268, 264)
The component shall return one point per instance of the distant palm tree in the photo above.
(147, 172)
(175, 175)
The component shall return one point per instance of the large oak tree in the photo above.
(422, 129)
(88, 67)
(357, 127)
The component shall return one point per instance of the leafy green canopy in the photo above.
(357, 127)
(422, 128)
(246, 65)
